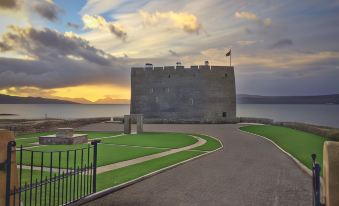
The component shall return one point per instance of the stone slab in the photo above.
(65, 132)
(54, 140)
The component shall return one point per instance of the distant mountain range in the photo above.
(241, 99)
(7, 99)
(256, 99)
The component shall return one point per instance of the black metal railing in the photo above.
(51, 177)
(316, 181)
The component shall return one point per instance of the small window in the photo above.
(169, 76)
(224, 114)
(225, 75)
(192, 101)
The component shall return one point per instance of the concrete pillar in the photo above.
(5, 137)
(140, 124)
(331, 173)
(127, 124)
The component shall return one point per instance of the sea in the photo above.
(319, 114)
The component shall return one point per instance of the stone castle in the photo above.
(200, 94)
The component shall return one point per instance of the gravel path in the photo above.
(247, 171)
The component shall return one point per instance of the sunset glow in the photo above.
(85, 49)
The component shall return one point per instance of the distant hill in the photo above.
(109, 100)
(256, 99)
(7, 99)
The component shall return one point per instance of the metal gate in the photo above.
(45, 177)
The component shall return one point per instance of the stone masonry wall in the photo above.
(203, 94)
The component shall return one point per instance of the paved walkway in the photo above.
(247, 171)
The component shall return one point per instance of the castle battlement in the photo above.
(201, 93)
(193, 68)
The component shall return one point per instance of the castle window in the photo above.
(225, 75)
(224, 114)
(169, 76)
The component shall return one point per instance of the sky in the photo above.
(82, 50)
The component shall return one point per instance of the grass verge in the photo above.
(298, 143)
(150, 139)
(116, 177)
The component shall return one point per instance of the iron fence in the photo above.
(46, 177)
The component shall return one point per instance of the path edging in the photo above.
(141, 178)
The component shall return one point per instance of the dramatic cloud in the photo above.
(47, 10)
(253, 17)
(246, 42)
(56, 60)
(98, 22)
(181, 20)
(282, 43)
(173, 53)
(9, 4)
(73, 25)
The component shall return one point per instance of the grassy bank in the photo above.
(298, 143)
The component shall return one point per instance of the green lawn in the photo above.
(298, 143)
(26, 140)
(160, 140)
(210, 145)
(107, 154)
(115, 177)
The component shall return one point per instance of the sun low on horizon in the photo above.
(82, 51)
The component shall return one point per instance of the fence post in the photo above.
(95, 153)
(317, 184)
(8, 167)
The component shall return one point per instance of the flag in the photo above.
(228, 53)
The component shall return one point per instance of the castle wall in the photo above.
(197, 94)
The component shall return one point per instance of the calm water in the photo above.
(327, 115)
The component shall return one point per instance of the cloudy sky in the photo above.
(84, 49)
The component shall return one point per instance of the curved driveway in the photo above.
(247, 171)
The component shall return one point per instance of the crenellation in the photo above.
(193, 68)
(149, 69)
(203, 94)
(158, 68)
(204, 67)
(169, 69)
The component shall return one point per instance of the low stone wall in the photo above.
(255, 120)
(315, 129)
(21, 126)
(330, 132)
(173, 121)
(54, 140)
